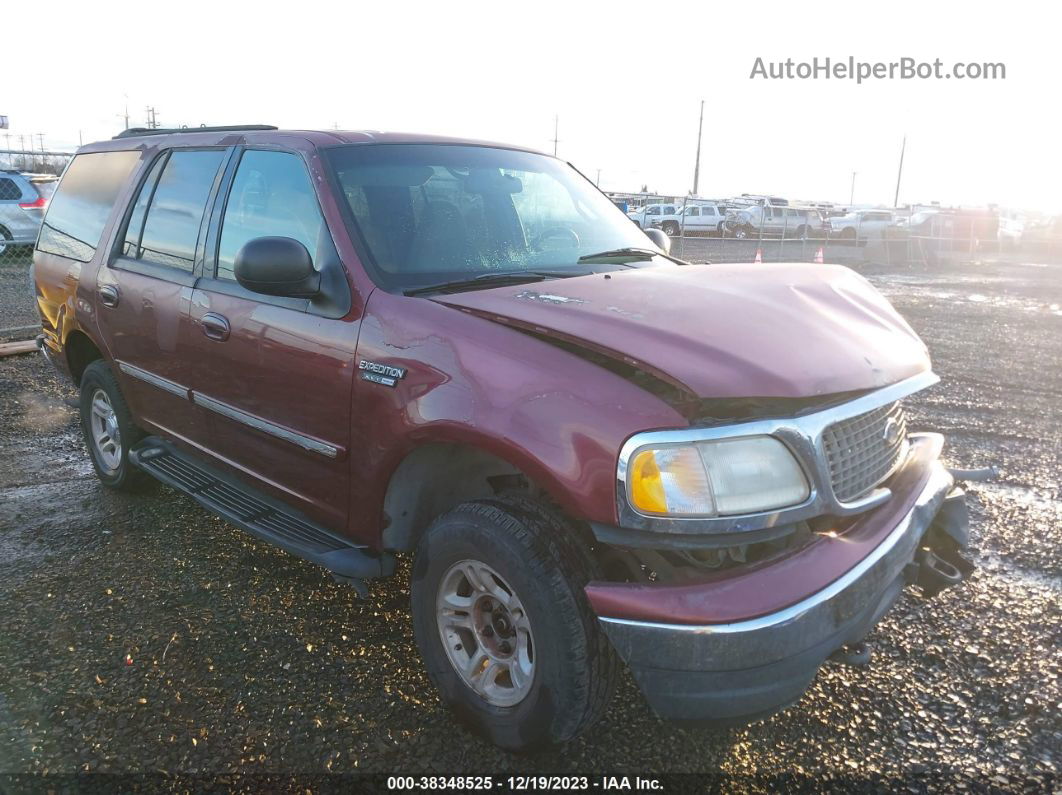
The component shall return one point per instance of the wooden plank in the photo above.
(13, 348)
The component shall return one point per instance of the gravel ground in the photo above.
(139, 634)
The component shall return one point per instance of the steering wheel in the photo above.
(559, 231)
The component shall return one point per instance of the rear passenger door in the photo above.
(142, 295)
(274, 374)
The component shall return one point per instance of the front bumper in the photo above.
(743, 669)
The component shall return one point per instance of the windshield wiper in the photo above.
(630, 252)
(487, 280)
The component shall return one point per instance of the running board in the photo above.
(256, 513)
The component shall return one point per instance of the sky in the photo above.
(624, 79)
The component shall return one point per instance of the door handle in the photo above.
(109, 295)
(215, 326)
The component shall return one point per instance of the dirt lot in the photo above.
(139, 634)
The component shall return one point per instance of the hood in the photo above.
(723, 331)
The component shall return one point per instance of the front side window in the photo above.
(173, 209)
(271, 196)
(432, 213)
(693, 211)
(79, 210)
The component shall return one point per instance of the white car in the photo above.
(861, 224)
(1011, 231)
(696, 219)
(644, 216)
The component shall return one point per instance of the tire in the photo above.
(5, 241)
(742, 232)
(111, 461)
(848, 233)
(671, 229)
(719, 229)
(541, 568)
(802, 232)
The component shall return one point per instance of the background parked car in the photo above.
(644, 216)
(23, 198)
(861, 224)
(1011, 231)
(770, 221)
(699, 219)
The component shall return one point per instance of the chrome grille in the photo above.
(859, 454)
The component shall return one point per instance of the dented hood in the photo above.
(726, 331)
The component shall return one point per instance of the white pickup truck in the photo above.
(695, 219)
(644, 217)
(861, 224)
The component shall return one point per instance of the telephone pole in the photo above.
(697, 165)
(152, 122)
(851, 196)
(899, 173)
(556, 126)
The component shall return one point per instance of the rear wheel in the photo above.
(5, 241)
(108, 428)
(503, 624)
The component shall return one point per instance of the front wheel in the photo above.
(503, 624)
(671, 229)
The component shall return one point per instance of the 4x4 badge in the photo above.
(378, 373)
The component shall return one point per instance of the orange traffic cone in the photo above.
(818, 256)
(759, 257)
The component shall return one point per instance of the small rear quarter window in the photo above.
(79, 210)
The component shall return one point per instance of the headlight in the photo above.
(720, 478)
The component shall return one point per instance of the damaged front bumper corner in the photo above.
(746, 668)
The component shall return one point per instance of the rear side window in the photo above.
(81, 206)
(9, 190)
(271, 196)
(172, 208)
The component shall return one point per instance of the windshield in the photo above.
(435, 213)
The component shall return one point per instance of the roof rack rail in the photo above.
(135, 132)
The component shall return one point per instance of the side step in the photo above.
(258, 514)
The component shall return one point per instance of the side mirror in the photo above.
(277, 266)
(659, 238)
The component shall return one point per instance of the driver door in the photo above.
(274, 374)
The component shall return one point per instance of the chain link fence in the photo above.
(753, 228)
(27, 181)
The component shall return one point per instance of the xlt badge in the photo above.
(378, 373)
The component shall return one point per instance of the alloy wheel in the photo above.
(106, 435)
(486, 633)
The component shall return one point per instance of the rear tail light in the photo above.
(40, 204)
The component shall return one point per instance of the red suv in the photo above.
(358, 344)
